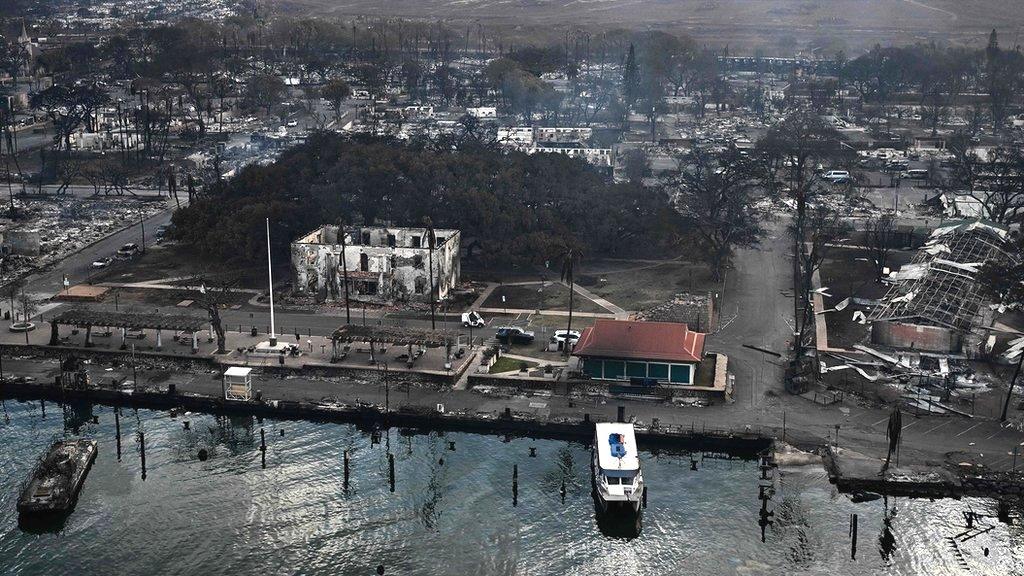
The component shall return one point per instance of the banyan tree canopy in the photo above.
(151, 320)
(396, 335)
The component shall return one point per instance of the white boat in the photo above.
(618, 481)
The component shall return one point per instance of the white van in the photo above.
(837, 176)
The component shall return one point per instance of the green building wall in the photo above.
(623, 370)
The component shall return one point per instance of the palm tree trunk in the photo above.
(568, 328)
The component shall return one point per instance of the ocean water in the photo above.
(451, 511)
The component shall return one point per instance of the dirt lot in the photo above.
(164, 298)
(550, 296)
(641, 285)
(849, 273)
(168, 261)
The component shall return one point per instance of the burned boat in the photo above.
(53, 487)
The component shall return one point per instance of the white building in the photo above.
(483, 112)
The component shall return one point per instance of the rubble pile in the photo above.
(691, 309)
(925, 383)
(65, 226)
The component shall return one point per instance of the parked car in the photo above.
(837, 176)
(560, 338)
(563, 335)
(128, 250)
(916, 174)
(514, 335)
(473, 318)
(102, 262)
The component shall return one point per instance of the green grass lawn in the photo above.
(506, 364)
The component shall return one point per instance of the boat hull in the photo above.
(54, 485)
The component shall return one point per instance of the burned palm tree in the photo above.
(569, 262)
(212, 295)
(893, 432)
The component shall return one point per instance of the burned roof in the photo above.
(940, 286)
(397, 335)
(152, 320)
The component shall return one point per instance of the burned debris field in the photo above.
(523, 287)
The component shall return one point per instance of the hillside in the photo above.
(753, 23)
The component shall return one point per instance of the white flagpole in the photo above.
(270, 276)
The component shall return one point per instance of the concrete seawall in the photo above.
(741, 444)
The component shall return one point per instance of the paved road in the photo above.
(78, 266)
(85, 191)
(757, 311)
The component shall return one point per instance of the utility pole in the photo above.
(135, 373)
(1013, 381)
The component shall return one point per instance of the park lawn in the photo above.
(506, 364)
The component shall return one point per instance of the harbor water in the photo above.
(451, 509)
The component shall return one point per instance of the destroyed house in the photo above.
(381, 263)
(936, 301)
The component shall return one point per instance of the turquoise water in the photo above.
(451, 511)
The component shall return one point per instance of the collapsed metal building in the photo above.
(936, 303)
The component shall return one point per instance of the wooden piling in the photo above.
(263, 447)
(853, 537)
(391, 471)
(117, 431)
(515, 485)
(346, 468)
(142, 452)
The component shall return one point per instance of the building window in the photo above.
(636, 369)
(614, 370)
(391, 240)
(658, 371)
(680, 374)
(364, 262)
(421, 284)
(417, 261)
(593, 368)
(415, 241)
(366, 238)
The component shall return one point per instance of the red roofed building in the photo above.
(622, 350)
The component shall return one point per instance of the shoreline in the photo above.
(850, 472)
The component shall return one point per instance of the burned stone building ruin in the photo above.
(383, 263)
